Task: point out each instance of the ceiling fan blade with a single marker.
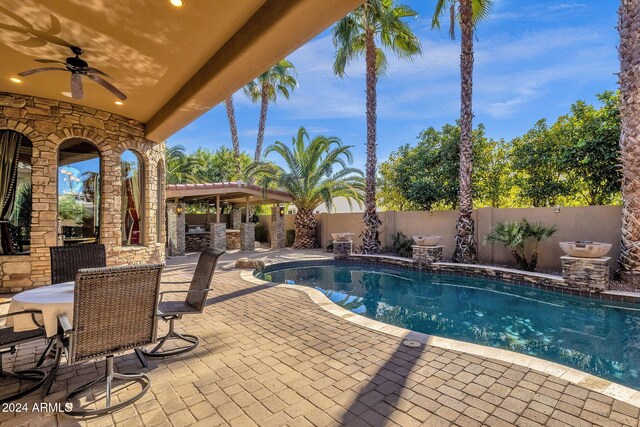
(40, 70)
(96, 71)
(49, 61)
(76, 86)
(111, 88)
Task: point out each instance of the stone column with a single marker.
(277, 229)
(590, 274)
(342, 250)
(247, 236)
(175, 231)
(236, 218)
(424, 256)
(218, 235)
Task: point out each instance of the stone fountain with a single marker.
(427, 249)
(585, 265)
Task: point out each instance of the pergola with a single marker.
(236, 194)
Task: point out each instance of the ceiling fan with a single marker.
(78, 68)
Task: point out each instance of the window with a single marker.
(78, 192)
(15, 193)
(132, 198)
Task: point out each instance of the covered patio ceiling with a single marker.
(239, 193)
(174, 64)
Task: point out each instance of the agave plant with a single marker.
(521, 237)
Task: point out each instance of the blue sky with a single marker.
(533, 60)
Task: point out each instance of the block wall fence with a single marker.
(596, 223)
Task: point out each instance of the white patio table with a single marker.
(51, 300)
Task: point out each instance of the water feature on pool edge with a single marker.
(594, 336)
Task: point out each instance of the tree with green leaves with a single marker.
(426, 175)
(315, 172)
(179, 165)
(589, 138)
(468, 14)
(277, 80)
(375, 23)
(536, 159)
(219, 165)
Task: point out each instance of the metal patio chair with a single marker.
(9, 340)
(114, 311)
(194, 303)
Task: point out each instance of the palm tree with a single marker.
(469, 13)
(279, 79)
(233, 127)
(316, 171)
(376, 22)
(180, 166)
(521, 237)
(629, 51)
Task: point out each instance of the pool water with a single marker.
(598, 337)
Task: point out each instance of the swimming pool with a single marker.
(595, 336)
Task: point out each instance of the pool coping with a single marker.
(572, 375)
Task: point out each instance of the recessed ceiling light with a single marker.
(67, 94)
(15, 80)
(119, 102)
(177, 3)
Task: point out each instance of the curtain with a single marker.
(131, 203)
(9, 145)
(135, 197)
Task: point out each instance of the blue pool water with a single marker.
(598, 337)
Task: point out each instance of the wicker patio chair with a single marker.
(9, 340)
(194, 303)
(114, 311)
(65, 263)
(67, 260)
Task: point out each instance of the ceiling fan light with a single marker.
(177, 3)
(119, 103)
(15, 79)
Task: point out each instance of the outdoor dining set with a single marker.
(91, 311)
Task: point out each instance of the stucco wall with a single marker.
(48, 123)
(597, 223)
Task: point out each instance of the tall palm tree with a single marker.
(233, 127)
(468, 14)
(316, 171)
(279, 79)
(375, 23)
(629, 52)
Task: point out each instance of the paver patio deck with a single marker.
(270, 356)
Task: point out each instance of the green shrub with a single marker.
(402, 245)
(289, 237)
(521, 238)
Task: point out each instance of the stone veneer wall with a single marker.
(47, 123)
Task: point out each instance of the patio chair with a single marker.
(9, 340)
(67, 260)
(194, 303)
(114, 311)
(65, 263)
